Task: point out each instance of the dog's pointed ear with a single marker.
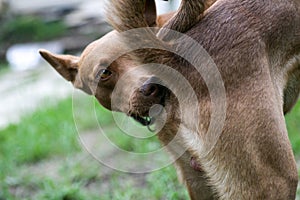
(150, 12)
(65, 65)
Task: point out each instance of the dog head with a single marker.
(100, 67)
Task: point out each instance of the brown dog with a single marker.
(256, 48)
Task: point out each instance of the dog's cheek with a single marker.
(79, 84)
(103, 97)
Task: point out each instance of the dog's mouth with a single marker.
(145, 121)
(151, 114)
(148, 102)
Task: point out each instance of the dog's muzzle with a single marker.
(154, 92)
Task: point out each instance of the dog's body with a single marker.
(256, 48)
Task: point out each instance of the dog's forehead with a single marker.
(109, 48)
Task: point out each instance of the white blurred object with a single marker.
(25, 56)
(166, 6)
(22, 93)
(86, 11)
(26, 7)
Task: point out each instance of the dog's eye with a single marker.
(104, 74)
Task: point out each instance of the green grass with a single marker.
(3, 68)
(29, 28)
(48, 137)
(293, 127)
(35, 137)
(50, 134)
(162, 184)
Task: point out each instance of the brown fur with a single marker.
(162, 19)
(256, 47)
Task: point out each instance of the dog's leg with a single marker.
(194, 178)
(253, 158)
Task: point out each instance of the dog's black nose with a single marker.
(152, 87)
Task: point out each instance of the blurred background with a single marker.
(41, 156)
